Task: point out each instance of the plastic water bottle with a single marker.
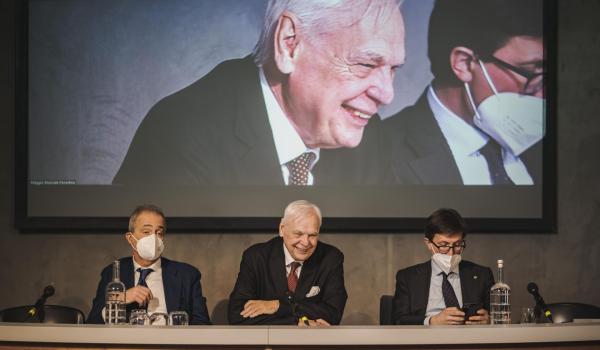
(115, 298)
(500, 299)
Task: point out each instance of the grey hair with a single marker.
(145, 208)
(316, 17)
(300, 207)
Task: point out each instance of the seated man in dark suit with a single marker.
(432, 293)
(293, 278)
(481, 120)
(153, 282)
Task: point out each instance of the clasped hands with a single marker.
(453, 315)
(254, 308)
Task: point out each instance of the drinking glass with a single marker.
(139, 317)
(178, 318)
(159, 319)
(528, 315)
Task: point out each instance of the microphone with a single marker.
(533, 289)
(39, 304)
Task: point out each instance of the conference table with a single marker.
(585, 335)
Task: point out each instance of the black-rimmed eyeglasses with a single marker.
(534, 80)
(456, 247)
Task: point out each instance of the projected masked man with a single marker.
(153, 282)
(481, 119)
(434, 292)
(291, 279)
(314, 81)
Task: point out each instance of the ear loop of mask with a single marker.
(490, 83)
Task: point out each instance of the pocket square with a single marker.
(314, 290)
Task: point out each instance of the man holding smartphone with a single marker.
(445, 290)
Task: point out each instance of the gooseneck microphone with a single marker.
(38, 307)
(533, 289)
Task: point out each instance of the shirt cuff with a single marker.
(426, 321)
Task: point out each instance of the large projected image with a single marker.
(373, 109)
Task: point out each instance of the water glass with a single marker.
(159, 319)
(178, 318)
(139, 317)
(528, 315)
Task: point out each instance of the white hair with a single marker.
(298, 208)
(316, 17)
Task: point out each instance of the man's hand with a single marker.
(138, 294)
(313, 323)
(254, 308)
(482, 317)
(450, 315)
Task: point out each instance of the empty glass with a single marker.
(527, 315)
(159, 319)
(139, 317)
(178, 318)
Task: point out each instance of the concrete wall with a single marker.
(566, 265)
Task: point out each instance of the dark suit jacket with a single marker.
(412, 290)
(262, 276)
(213, 132)
(181, 282)
(420, 153)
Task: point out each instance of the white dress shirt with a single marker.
(465, 141)
(155, 284)
(288, 263)
(288, 143)
(435, 303)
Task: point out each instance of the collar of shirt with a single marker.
(436, 270)
(156, 266)
(288, 143)
(463, 139)
(289, 260)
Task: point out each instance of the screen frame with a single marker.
(26, 223)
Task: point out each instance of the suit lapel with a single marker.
(171, 285)
(433, 163)
(127, 274)
(277, 267)
(468, 284)
(307, 274)
(423, 280)
(256, 149)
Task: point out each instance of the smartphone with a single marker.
(470, 309)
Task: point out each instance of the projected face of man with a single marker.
(335, 82)
(300, 233)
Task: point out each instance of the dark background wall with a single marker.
(566, 264)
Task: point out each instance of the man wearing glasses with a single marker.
(445, 290)
(482, 117)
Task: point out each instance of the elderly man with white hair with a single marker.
(318, 74)
(292, 278)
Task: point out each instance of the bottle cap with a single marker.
(500, 263)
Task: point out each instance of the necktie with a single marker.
(143, 274)
(493, 155)
(448, 292)
(299, 168)
(292, 278)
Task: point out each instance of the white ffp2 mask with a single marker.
(446, 262)
(149, 247)
(515, 121)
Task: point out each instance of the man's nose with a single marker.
(450, 252)
(382, 86)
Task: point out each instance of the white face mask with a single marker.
(446, 262)
(149, 247)
(515, 121)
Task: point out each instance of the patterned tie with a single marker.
(448, 292)
(493, 155)
(143, 274)
(292, 278)
(299, 168)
